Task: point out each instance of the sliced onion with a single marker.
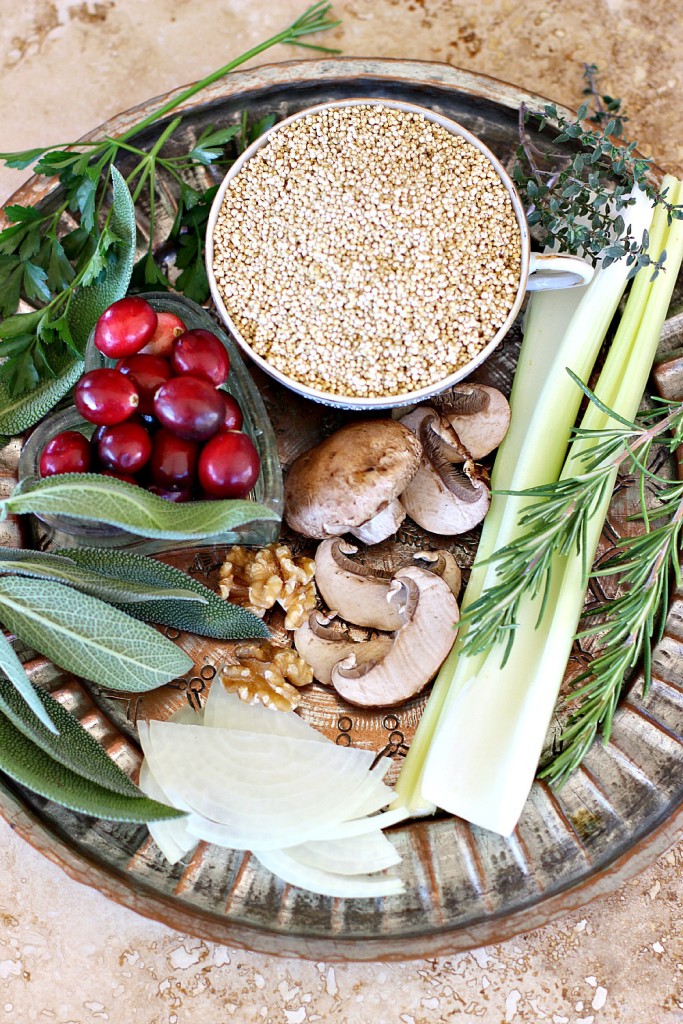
(225, 710)
(356, 855)
(172, 837)
(278, 792)
(324, 882)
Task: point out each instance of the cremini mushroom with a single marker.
(443, 497)
(350, 483)
(417, 650)
(360, 594)
(354, 592)
(322, 642)
(480, 416)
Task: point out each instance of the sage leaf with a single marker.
(25, 762)
(47, 566)
(215, 617)
(15, 672)
(103, 499)
(73, 746)
(88, 637)
(90, 302)
(19, 412)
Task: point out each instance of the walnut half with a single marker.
(259, 579)
(266, 674)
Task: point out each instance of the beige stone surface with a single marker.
(69, 956)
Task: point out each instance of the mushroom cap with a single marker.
(349, 477)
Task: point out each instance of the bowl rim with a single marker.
(408, 397)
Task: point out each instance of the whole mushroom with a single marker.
(351, 481)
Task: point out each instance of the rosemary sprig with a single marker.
(580, 202)
(556, 519)
(45, 263)
(629, 627)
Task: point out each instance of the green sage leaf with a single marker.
(89, 303)
(103, 499)
(215, 617)
(25, 762)
(16, 674)
(19, 412)
(48, 566)
(88, 637)
(73, 746)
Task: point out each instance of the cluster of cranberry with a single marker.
(161, 421)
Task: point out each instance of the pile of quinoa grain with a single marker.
(367, 252)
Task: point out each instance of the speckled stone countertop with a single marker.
(69, 956)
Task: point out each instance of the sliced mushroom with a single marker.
(352, 590)
(350, 482)
(479, 414)
(416, 653)
(323, 643)
(442, 563)
(441, 497)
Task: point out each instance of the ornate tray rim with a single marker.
(130, 892)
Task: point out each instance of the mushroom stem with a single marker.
(382, 525)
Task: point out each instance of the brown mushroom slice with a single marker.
(441, 497)
(416, 653)
(352, 590)
(350, 482)
(479, 414)
(442, 563)
(322, 644)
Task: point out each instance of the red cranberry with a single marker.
(189, 407)
(232, 416)
(176, 496)
(169, 327)
(229, 466)
(125, 448)
(173, 463)
(148, 373)
(201, 354)
(125, 327)
(105, 397)
(68, 452)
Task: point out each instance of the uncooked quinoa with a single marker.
(367, 251)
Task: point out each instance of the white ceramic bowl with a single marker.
(405, 398)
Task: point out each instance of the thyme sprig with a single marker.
(48, 252)
(579, 202)
(555, 521)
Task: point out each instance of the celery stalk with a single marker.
(490, 732)
(563, 329)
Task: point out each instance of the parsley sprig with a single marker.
(49, 252)
(579, 201)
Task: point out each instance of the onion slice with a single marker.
(324, 882)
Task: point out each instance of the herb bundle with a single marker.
(582, 202)
(81, 610)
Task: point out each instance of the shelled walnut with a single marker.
(265, 674)
(260, 579)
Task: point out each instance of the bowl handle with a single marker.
(548, 271)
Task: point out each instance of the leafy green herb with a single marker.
(36, 769)
(47, 566)
(14, 670)
(214, 617)
(72, 745)
(69, 276)
(88, 637)
(102, 499)
(580, 202)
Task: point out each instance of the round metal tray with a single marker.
(464, 887)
